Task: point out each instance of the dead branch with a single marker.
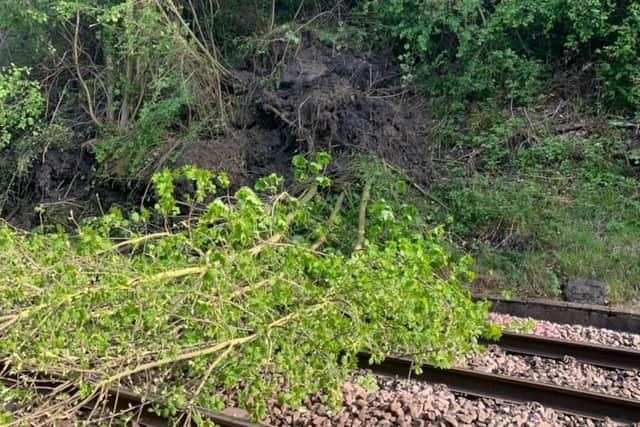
(76, 60)
(330, 222)
(280, 114)
(570, 127)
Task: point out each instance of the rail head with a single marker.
(501, 387)
(555, 348)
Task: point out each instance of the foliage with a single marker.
(129, 153)
(520, 326)
(119, 53)
(369, 382)
(21, 104)
(539, 210)
(234, 23)
(233, 292)
(474, 49)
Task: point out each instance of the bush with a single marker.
(21, 104)
(236, 291)
(476, 49)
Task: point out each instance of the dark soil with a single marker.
(63, 181)
(337, 101)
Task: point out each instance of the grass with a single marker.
(539, 211)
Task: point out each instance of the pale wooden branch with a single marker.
(330, 222)
(134, 241)
(76, 60)
(362, 219)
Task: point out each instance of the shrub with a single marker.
(21, 104)
(475, 49)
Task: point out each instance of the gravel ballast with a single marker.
(567, 372)
(578, 333)
(371, 400)
(408, 403)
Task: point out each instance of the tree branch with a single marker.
(76, 60)
(362, 220)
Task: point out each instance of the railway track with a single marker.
(119, 400)
(570, 401)
(554, 348)
(479, 384)
(567, 312)
(471, 382)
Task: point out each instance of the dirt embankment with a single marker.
(342, 102)
(318, 98)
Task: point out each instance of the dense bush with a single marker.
(491, 48)
(116, 54)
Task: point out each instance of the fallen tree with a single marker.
(235, 300)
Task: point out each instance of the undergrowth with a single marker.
(251, 291)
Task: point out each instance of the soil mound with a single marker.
(342, 102)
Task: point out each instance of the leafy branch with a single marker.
(247, 296)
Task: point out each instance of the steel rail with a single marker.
(567, 312)
(554, 348)
(121, 399)
(480, 384)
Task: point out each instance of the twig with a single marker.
(174, 274)
(184, 356)
(207, 350)
(246, 289)
(429, 195)
(532, 128)
(569, 127)
(76, 60)
(278, 113)
(306, 197)
(624, 124)
(209, 371)
(255, 250)
(273, 15)
(132, 242)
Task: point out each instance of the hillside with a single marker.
(314, 164)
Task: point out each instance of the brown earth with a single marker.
(337, 101)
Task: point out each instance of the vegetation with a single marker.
(533, 165)
(478, 49)
(21, 104)
(536, 204)
(236, 290)
(543, 211)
